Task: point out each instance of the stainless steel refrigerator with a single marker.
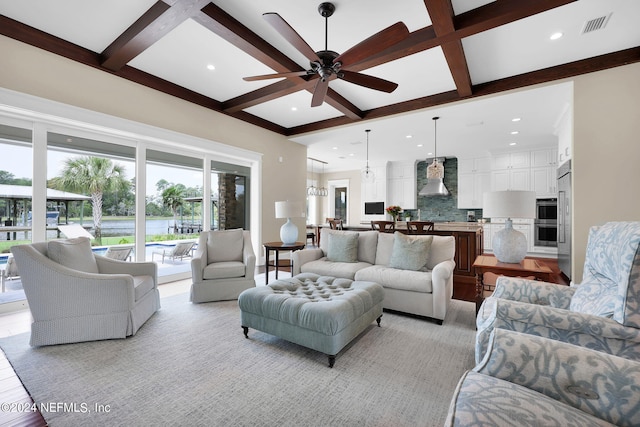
(564, 218)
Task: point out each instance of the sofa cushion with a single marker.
(367, 242)
(384, 249)
(410, 252)
(325, 267)
(393, 278)
(594, 298)
(443, 248)
(73, 253)
(224, 270)
(343, 247)
(225, 245)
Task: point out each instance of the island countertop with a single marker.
(447, 226)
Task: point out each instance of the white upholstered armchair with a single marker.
(77, 296)
(602, 313)
(223, 265)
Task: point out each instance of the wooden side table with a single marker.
(490, 264)
(277, 247)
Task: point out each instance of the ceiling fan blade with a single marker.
(286, 31)
(374, 44)
(320, 92)
(368, 81)
(275, 76)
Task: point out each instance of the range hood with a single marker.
(435, 180)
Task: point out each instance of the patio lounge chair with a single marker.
(180, 250)
(121, 253)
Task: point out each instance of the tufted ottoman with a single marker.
(319, 312)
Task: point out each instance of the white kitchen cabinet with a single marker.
(471, 188)
(486, 230)
(515, 160)
(510, 179)
(476, 164)
(544, 181)
(401, 185)
(546, 157)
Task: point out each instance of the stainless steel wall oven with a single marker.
(546, 223)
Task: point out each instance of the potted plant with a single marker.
(394, 211)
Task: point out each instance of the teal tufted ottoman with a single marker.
(319, 312)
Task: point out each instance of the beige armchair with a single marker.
(223, 265)
(77, 296)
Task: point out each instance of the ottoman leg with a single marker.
(332, 360)
(378, 320)
(246, 331)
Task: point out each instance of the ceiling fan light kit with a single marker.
(326, 65)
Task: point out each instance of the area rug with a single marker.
(191, 365)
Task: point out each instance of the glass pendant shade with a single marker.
(368, 176)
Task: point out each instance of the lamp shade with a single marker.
(509, 204)
(289, 209)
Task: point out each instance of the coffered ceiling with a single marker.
(456, 50)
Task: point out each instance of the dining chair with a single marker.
(383, 226)
(335, 224)
(420, 227)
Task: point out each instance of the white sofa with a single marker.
(424, 291)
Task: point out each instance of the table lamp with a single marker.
(288, 231)
(509, 245)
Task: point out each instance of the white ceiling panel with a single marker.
(182, 57)
(90, 24)
(352, 21)
(422, 74)
(280, 110)
(524, 45)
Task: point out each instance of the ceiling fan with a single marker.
(327, 65)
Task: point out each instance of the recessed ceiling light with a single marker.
(429, 154)
(555, 36)
(419, 145)
(516, 119)
(409, 136)
(515, 132)
(513, 143)
(351, 154)
(294, 108)
(211, 67)
(335, 148)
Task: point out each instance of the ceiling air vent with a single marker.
(595, 24)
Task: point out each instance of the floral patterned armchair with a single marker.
(602, 313)
(529, 380)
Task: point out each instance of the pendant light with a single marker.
(435, 171)
(322, 191)
(312, 190)
(368, 175)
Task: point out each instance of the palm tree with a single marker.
(93, 175)
(173, 198)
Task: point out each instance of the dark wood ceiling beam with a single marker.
(501, 12)
(559, 72)
(343, 105)
(442, 15)
(483, 18)
(231, 30)
(155, 23)
(264, 94)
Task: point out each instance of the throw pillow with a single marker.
(598, 299)
(73, 253)
(410, 252)
(225, 245)
(343, 247)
